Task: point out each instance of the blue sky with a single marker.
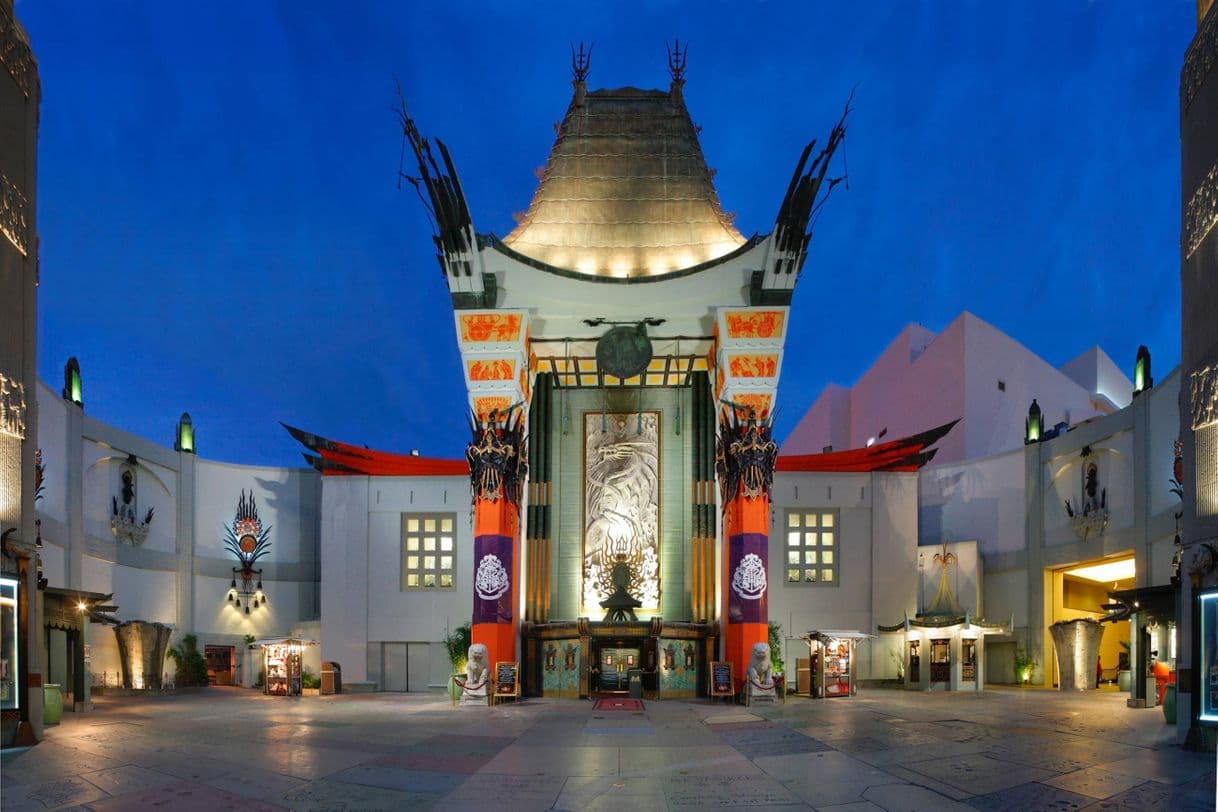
(222, 232)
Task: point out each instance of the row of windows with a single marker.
(429, 552)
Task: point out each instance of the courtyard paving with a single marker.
(883, 750)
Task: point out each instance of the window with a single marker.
(811, 550)
(429, 550)
(1002, 386)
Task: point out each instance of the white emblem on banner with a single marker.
(748, 581)
(491, 580)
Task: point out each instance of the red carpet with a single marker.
(618, 704)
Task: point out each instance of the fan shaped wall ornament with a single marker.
(248, 540)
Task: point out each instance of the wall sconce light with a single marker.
(248, 540)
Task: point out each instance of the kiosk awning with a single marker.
(836, 634)
(284, 641)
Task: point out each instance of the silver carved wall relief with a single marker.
(12, 406)
(621, 506)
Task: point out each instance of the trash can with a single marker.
(635, 680)
(52, 704)
(331, 678)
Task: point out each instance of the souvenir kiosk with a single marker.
(281, 664)
(831, 665)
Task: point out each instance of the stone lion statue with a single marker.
(477, 673)
(760, 672)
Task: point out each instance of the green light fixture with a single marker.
(1034, 426)
(185, 441)
(1141, 371)
(73, 391)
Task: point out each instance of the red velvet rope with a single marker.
(462, 685)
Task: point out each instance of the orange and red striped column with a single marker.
(746, 529)
(496, 576)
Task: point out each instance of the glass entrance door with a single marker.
(615, 665)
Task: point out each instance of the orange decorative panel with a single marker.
(495, 327)
(719, 382)
(756, 402)
(754, 323)
(484, 406)
(492, 369)
(763, 365)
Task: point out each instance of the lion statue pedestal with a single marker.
(477, 676)
(759, 677)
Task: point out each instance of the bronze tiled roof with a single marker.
(626, 190)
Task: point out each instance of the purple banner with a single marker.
(492, 579)
(748, 579)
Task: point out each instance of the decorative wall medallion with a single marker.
(249, 541)
(492, 579)
(621, 506)
(624, 351)
(124, 521)
(12, 406)
(749, 581)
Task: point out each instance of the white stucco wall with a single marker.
(877, 543)
(982, 499)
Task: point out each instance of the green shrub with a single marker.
(308, 679)
(457, 642)
(1025, 664)
(192, 668)
(776, 647)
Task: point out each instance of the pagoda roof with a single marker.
(626, 191)
(333, 458)
(906, 454)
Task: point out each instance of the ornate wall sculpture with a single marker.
(746, 456)
(248, 540)
(1090, 517)
(12, 406)
(621, 506)
(125, 523)
(498, 457)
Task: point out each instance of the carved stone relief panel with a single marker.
(621, 506)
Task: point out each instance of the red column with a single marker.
(746, 527)
(496, 526)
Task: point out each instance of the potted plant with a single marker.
(457, 643)
(310, 683)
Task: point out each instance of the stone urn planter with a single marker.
(1169, 704)
(52, 704)
(1124, 680)
(1077, 643)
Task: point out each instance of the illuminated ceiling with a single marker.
(1105, 572)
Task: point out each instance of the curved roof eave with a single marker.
(492, 241)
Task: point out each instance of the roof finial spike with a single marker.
(581, 63)
(676, 60)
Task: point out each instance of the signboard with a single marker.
(721, 683)
(506, 679)
(1208, 669)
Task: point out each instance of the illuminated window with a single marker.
(429, 550)
(810, 549)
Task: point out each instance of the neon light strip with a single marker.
(1209, 657)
